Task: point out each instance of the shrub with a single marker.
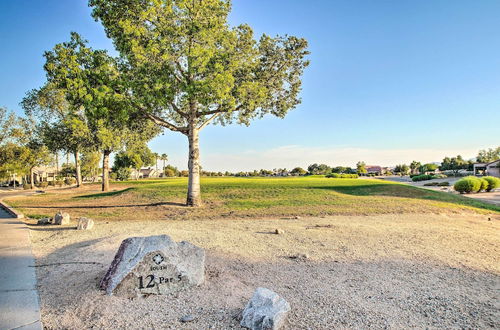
(51, 183)
(26, 186)
(422, 177)
(113, 176)
(69, 181)
(169, 172)
(43, 184)
(493, 182)
(484, 184)
(443, 184)
(468, 184)
(342, 176)
(123, 173)
(59, 183)
(431, 184)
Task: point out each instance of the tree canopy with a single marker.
(488, 155)
(187, 68)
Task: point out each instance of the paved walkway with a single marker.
(19, 307)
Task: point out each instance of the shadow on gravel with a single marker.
(48, 227)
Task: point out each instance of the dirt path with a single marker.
(394, 271)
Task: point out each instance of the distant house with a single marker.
(44, 173)
(491, 168)
(150, 173)
(374, 169)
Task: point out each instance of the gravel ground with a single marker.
(390, 271)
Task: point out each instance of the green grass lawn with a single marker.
(252, 197)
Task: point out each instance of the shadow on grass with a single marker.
(98, 206)
(406, 191)
(105, 194)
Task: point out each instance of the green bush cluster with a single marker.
(342, 176)
(26, 186)
(468, 185)
(422, 177)
(437, 184)
(123, 174)
(59, 183)
(425, 177)
(493, 182)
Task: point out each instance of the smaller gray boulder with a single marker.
(85, 224)
(266, 310)
(61, 218)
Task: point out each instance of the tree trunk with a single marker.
(78, 170)
(57, 163)
(32, 178)
(105, 170)
(194, 193)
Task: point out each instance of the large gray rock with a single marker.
(85, 224)
(266, 310)
(154, 265)
(61, 218)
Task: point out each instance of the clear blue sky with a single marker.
(389, 81)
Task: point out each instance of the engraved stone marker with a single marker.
(154, 265)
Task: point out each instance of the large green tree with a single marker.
(415, 167)
(135, 156)
(188, 68)
(488, 155)
(7, 120)
(93, 85)
(24, 150)
(361, 167)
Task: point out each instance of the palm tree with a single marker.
(157, 156)
(164, 157)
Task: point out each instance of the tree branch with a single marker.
(176, 109)
(209, 120)
(218, 110)
(179, 67)
(164, 123)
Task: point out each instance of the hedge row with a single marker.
(437, 184)
(342, 176)
(471, 184)
(424, 177)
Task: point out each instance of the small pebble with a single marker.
(187, 318)
(279, 231)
